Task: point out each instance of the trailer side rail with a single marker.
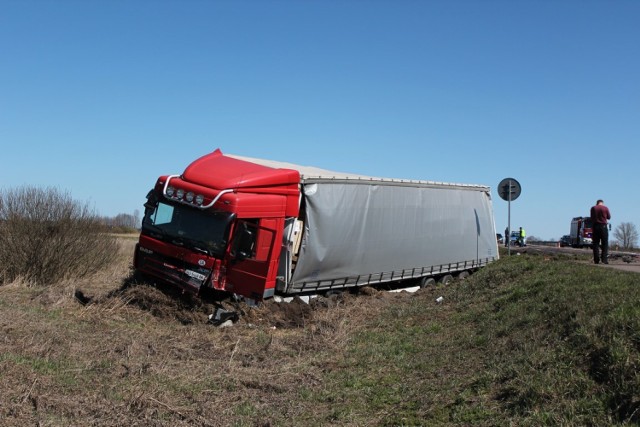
(388, 276)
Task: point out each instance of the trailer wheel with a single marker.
(444, 280)
(463, 275)
(427, 282)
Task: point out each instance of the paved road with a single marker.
(635, 267)
(625, 261)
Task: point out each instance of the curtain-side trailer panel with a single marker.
(358, 232)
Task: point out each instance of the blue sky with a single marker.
(99, 98)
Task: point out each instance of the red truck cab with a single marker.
(218, 225)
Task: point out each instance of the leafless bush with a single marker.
(46, 237)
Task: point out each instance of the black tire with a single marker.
(427, 282)
(463, 275)
(446, 279)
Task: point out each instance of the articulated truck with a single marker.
(257, 228)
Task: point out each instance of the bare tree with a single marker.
(124, 220)
(136, 217)
(627, 234)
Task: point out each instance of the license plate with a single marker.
(195, 275)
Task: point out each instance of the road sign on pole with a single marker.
(509, 189)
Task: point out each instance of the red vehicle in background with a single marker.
(581, 232)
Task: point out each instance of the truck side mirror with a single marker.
(152, 200)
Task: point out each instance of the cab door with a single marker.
(251, 258)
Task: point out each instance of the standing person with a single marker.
(506, 237)
(599, 216)
(522, 237)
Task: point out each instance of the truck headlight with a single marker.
(180, 193)
(189, 197)
(170, 191)
(199, 199)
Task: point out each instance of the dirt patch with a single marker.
(159, 304)
(188, 309)
(164, 304)
(295, 314)
(167, 304)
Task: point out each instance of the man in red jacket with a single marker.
(599, 217)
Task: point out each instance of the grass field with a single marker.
(529, 340)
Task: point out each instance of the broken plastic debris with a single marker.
(411, 289)
(439, 299)
(226, 324)
(221, 316)
(304, 298)
(249, 301)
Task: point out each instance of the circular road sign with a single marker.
(509, 186)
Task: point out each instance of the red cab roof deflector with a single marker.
(216, 170)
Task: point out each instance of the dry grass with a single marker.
(494, 353)
(133, 355)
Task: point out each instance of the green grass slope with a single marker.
(527, 341)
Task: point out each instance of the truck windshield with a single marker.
(203, 231)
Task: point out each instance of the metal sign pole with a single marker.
(509, 223)
(509, 189)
